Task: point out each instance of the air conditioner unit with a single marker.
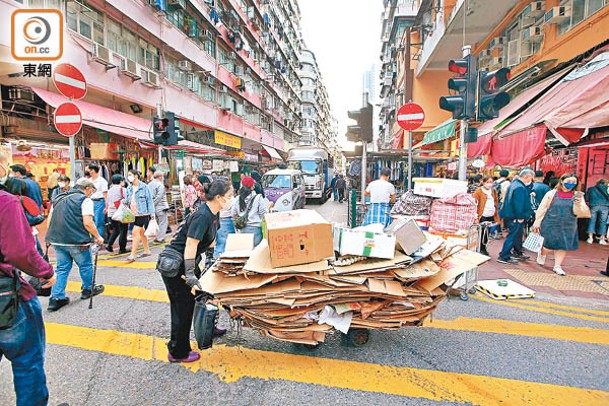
(207, 33)
(210, 3)
(496, 62)
(103, 56)
(233, 55)
(251, 13)
(497, 42)
(240, 84)
(557, 14)
(224, 89)
(535, 9)
(131, 68)
(532, 34)
(238, 70)
(179, 4)
(185, 66)
(526, 50)
(150, 78)
(209, 80)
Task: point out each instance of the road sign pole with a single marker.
(463, 131)
(409, 160)
(72, 159)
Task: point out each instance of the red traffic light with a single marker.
(458, 66)
(493, 81)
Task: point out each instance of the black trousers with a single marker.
(119, 230)
(485, 231)
(182, 304)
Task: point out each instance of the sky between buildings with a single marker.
(345, 37)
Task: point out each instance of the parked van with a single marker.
(285, 189)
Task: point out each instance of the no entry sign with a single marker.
(70, 81)
(411, 116)
(67, 119)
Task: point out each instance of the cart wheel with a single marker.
(472, 290)
(463, 296)
(357, 337)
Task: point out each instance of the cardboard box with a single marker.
(439, 187)
(459, 239)
(298, 237)
(408, 235)
(364, 243)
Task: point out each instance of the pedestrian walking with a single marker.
(557, 221)
(71, 232)
(139, 200)
(341, 188)
(150, 173)
(333, 186)
(598, 200)
(253, 205)
(33, 190)
(488, 206)
(116, 194)
(100, 197)
(501, 186)
(22, 332)
(515, 212)
(190, 195)
(52, 182)
(539, 188)
(381, 193)
(161, 206)
(63, 185)
(179, 267)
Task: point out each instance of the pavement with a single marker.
(551, 350)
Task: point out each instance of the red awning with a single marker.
(480, 147)
(398, 140)
(520, 148)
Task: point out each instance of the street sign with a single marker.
(411, 116)
(70, 81)
(67, 119)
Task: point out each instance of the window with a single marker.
(208, 93)
(580, 10)
(113, 35)
(85, 21)
(176, 17)
(277, 181)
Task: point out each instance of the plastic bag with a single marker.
(534, 242)
(124, 215)
(204, 322)
(152, 229)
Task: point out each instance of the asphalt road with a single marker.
(480, 351)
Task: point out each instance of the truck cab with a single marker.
(316, 169)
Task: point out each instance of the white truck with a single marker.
(317, 169)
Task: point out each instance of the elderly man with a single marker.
(161, 207)
(516, 211)
(71, 232)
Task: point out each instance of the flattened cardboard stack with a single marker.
(287, 303)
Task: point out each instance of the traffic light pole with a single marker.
(158, 114)
(364, 170)
(462, 133)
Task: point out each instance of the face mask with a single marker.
(130, 178)
(227, 204)
(569, 185)
(488, 186)
(61, 184)
(5, 177)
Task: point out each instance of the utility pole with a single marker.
(462, 133)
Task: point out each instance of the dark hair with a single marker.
(569, 175)
(16, 186)
(93, 167)
(19, 168)
(487, 178)
(63, 178)
(137, 173)
(539, 174)
(601, 182)
(504, 173)
(386, 172)
(152, 169)
(117, 179)
(553, 182)
(244, 192)
(218, 187)
(203, 179)
(187, 180)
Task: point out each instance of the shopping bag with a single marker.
(152, 229)
(123, 215)
(118, 215)
(534, 242)
(204, 322)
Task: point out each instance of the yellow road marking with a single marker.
(521, 305)
(556, 332)
(572, 308)
(116, 263)
(231, 364)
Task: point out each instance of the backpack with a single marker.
(31, 210)
(497, 187)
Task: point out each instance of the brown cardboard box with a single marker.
(298, 237)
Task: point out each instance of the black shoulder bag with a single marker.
(241, 221)
(9, 299)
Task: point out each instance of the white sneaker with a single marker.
(590, 240)
(541, 259)
(602, 241)
(559, 270)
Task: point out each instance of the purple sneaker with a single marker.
(192, 357)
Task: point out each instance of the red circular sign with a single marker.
(67, 119)
(70, 81)
(410, 116)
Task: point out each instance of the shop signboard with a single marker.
(234, 166)
(197, 164)
(228, 140)
(217, 165)
(207, 164)
(251, 157)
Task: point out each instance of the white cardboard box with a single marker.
(364, 243)
(438, 187)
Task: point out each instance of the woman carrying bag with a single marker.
(556, 221)
(139, 200)
(598, 199)
(249, 211)
(116, 194)
(179, 266)
(488, 203)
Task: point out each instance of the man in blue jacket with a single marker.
(516, 210)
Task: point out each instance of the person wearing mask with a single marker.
(226, 227)
(341, 188)
(198, 185)
(515, 212)
(190, 195)
(33, 190)
(23, 341)
(381, 193)
(161, 207)
(193, 238)
(100, 197)
(71, 232)
(150, 174)
(254, 205)
(139, 200)
(539, 188)
(488, 206)
(598, 200)
(116, 194)
(52, 182)
(557, 223)
(63, 185)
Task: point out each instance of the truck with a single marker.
(316, 166)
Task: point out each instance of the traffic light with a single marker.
(363, 130)
(160, 130)
(174, 129)
(462, 105)
(167, 130)
(490, 96)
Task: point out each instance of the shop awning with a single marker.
(440, 133)
(520, 148)
(573, 106)
(103, 118)
(398, 140)
(196, 148)
(272, 153)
